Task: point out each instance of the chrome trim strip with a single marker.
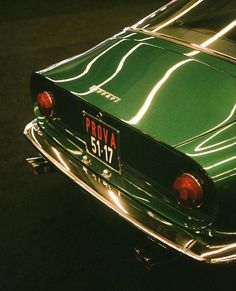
(190, 45)
(149, 222)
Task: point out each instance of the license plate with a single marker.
(102, 141)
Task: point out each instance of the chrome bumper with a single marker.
(153, 225)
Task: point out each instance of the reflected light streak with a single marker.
(121, 33)
(152, 94)
(217, 126)
(225, 120)
(153, 14)
(217, 180)
(70, 59)
(163, 221)
(200, 147)
(224, 259)
(221, 250)
(34, 137)
(226, 172)
(128, 35)
(75, 152)
(220, 163)
(140, 198)
(120, 66)
(163, 8)
(211, 151)
(214, 38)
(74, 136)
(177, 16)
(88, 67)
(60, 158)
(117, 201)
(41, 119)
(145, 26)
(144, 39)
(218, 143)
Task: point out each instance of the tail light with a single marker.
(188, 191)
(46, 103)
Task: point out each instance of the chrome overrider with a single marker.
(154, 226)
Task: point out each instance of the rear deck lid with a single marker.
(164, 93)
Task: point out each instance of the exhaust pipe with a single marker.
(40, 165)
(152, 254)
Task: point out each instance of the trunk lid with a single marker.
(152, 86)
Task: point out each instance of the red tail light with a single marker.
(46, 103)
(188, 191)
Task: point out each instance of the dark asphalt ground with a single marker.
(52, 235)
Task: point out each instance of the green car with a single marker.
(146, 122)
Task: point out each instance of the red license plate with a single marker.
(102, 141)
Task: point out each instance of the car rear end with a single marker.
(136, 166)
(143, 189)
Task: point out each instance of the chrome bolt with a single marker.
(106, 173)
(100, 115)
(86, 160)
